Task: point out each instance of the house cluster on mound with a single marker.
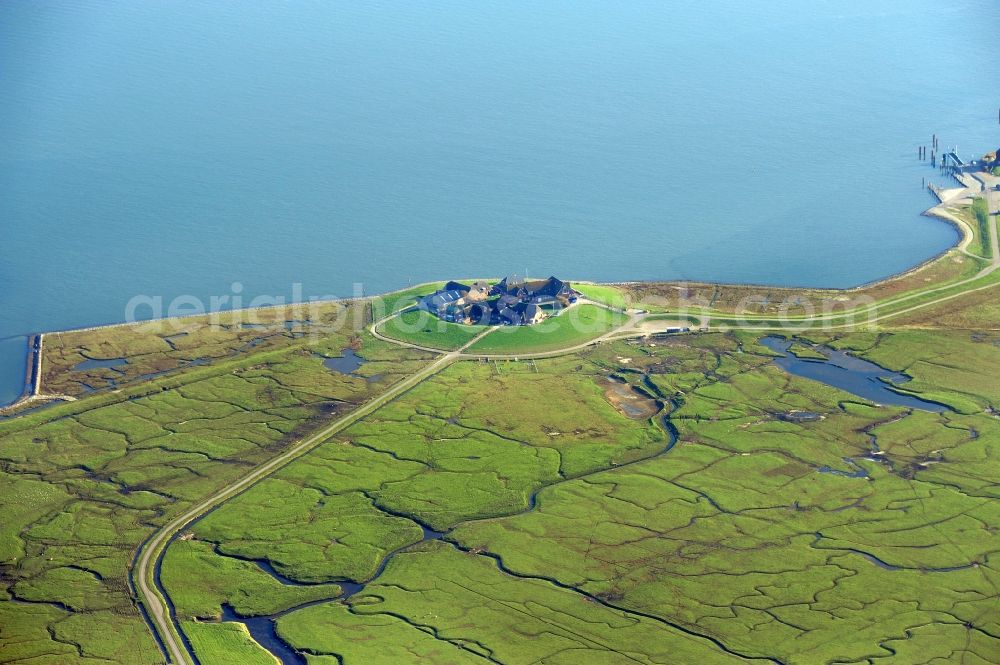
(510, 302)
(992, 159)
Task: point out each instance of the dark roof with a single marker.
(535, 284)
(510, 315)
(441, 299)
(552, 287)
(456, 286)
(509, 284)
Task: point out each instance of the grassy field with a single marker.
(754, 537)
(569, 533)
(889, 314)
(226, 643)
(603, 293)
(434, 456)
(384, 305)
(306, 535)
(82, 484)
(225, 580)
(740, 533)
(573, 326)
(368, 639)
(477, 611)
(953, 368)
(974, 311)
(161, 347)
(423, 329)
(981, 216)
(431, 456)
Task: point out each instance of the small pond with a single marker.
(348, 363)
(854, 375)
(93, 363)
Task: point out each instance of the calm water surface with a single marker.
(175, 147)
(854, 375)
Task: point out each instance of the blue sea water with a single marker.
(171, 147)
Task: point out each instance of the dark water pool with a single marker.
(348, 363)
(93, 363)
(854, 375)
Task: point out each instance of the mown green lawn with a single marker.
(603, 293)
(980, 215)
(421, 328)
(384, 305)
(575, 325)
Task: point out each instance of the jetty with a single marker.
(35, 365)
(32, 375)
(33, 380)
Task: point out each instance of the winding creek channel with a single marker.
(263, 628)
(854, 375)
